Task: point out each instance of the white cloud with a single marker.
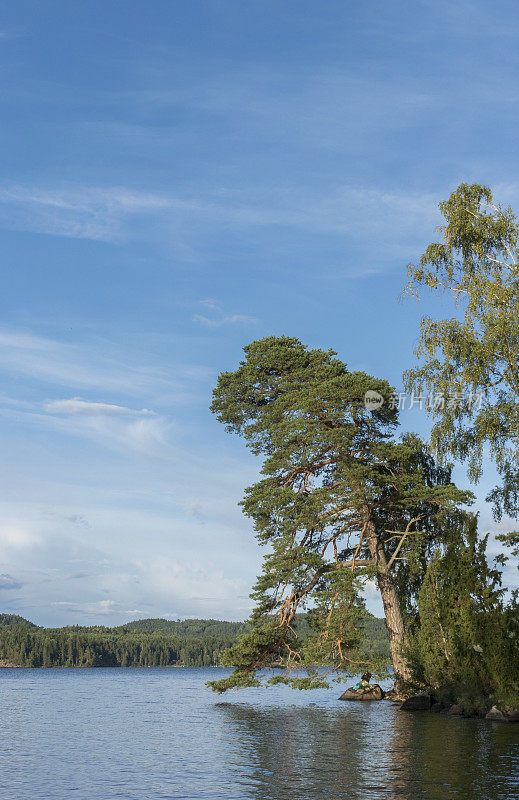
(16, 536)
(220, 317)
(209, 302)
(84, 407)
(96, 365)
(79, 212)
(84, 365)
(110, 425)
(142, 547)
(207, 587)
(226, 319)
(117, 427)
(109, 214)
(103, 607)
(8, 582)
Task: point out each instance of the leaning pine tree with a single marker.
(340, 503)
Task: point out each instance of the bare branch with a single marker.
(405, 534)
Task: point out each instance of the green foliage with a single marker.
(510, 540)
(375, 645)
(466, 638)
(15, 621)
(152, 643)
(203, 628)
(477, 264)
(330, 469)
(372, 648)
(311, 681)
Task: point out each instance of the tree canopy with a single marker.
(464, 638)
(340, 502)
(470, 365)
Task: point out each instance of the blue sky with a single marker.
(177, 179)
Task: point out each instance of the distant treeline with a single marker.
(142, 643)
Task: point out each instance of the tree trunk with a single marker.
(392, 611)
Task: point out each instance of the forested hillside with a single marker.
(142, 643)
(15, 621)
(186, 627)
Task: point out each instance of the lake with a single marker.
(145, 734)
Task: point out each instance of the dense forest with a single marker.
(142, 643)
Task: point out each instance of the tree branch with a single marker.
(405, 534)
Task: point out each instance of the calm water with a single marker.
(144, 734)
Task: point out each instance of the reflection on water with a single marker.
(368, 751)
(159, 734)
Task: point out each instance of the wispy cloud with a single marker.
(84, 407)
(47, 364)
(8, 582)
(109, 214)
(16, 536)
(112, 425)
(103, 607)
(80, 212)
(143, 544)
(173, 580)
(99, 366)
(79, 520)
(219, 317)
(12, 33)
(80, 365)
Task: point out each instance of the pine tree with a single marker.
(339, 497)
(46, 656)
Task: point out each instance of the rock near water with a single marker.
(417, 702)
(395, 695)
(455, 710)
(364, 693)
(495, 714)
(508, 715)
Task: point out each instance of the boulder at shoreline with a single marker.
(417, 702)
(373, 692)
(507, 715)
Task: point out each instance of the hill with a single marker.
(14, 621)
(186, 627)
(145, 643)
(374, 629)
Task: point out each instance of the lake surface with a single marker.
(145, 734)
